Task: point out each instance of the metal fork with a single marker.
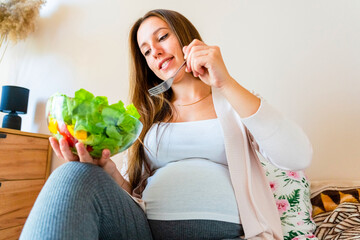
(164, 86)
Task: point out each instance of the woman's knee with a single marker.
(76, 175)
(75, 171)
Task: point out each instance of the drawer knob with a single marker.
(2, 135)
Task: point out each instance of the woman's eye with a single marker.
(163, 37)
(147, 53)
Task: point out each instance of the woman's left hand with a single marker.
(63, 151)
(206, 63)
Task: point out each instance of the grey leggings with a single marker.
(81, 201)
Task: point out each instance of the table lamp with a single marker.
(14, 100)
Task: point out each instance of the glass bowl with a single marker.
(95, 123)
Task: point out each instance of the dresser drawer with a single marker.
(23, 157)
(11, 233)
(17, 199)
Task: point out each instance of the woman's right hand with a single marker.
(62, 150)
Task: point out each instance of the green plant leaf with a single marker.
(294, 198)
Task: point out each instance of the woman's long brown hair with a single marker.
(158, 108)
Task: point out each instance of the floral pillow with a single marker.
(291, 191)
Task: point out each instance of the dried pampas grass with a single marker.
(17, 19)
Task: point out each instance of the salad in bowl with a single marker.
(92, 121)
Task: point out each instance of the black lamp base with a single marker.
(12, 120)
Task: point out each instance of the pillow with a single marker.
(327, 196)
(329, 199)
(291, 190)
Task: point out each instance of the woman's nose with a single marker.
(157, 51)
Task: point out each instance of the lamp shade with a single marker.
(14, 99)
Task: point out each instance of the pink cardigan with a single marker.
(273, 133)
(279, 140)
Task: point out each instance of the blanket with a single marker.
(341, 223)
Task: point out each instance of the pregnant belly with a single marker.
(186, 189)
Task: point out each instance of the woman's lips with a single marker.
(165, 64)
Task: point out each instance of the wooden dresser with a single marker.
(25, 160)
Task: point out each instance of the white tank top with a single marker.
(191, 179)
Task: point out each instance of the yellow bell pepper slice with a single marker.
(53, 126)
(81, 135)
(70, 129)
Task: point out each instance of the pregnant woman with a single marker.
(194, 173)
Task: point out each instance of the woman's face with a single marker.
(160, 47)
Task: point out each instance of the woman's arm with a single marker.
(244, 102)
(121, 181)
(280, 140)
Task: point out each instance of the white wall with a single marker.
(302, 56)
